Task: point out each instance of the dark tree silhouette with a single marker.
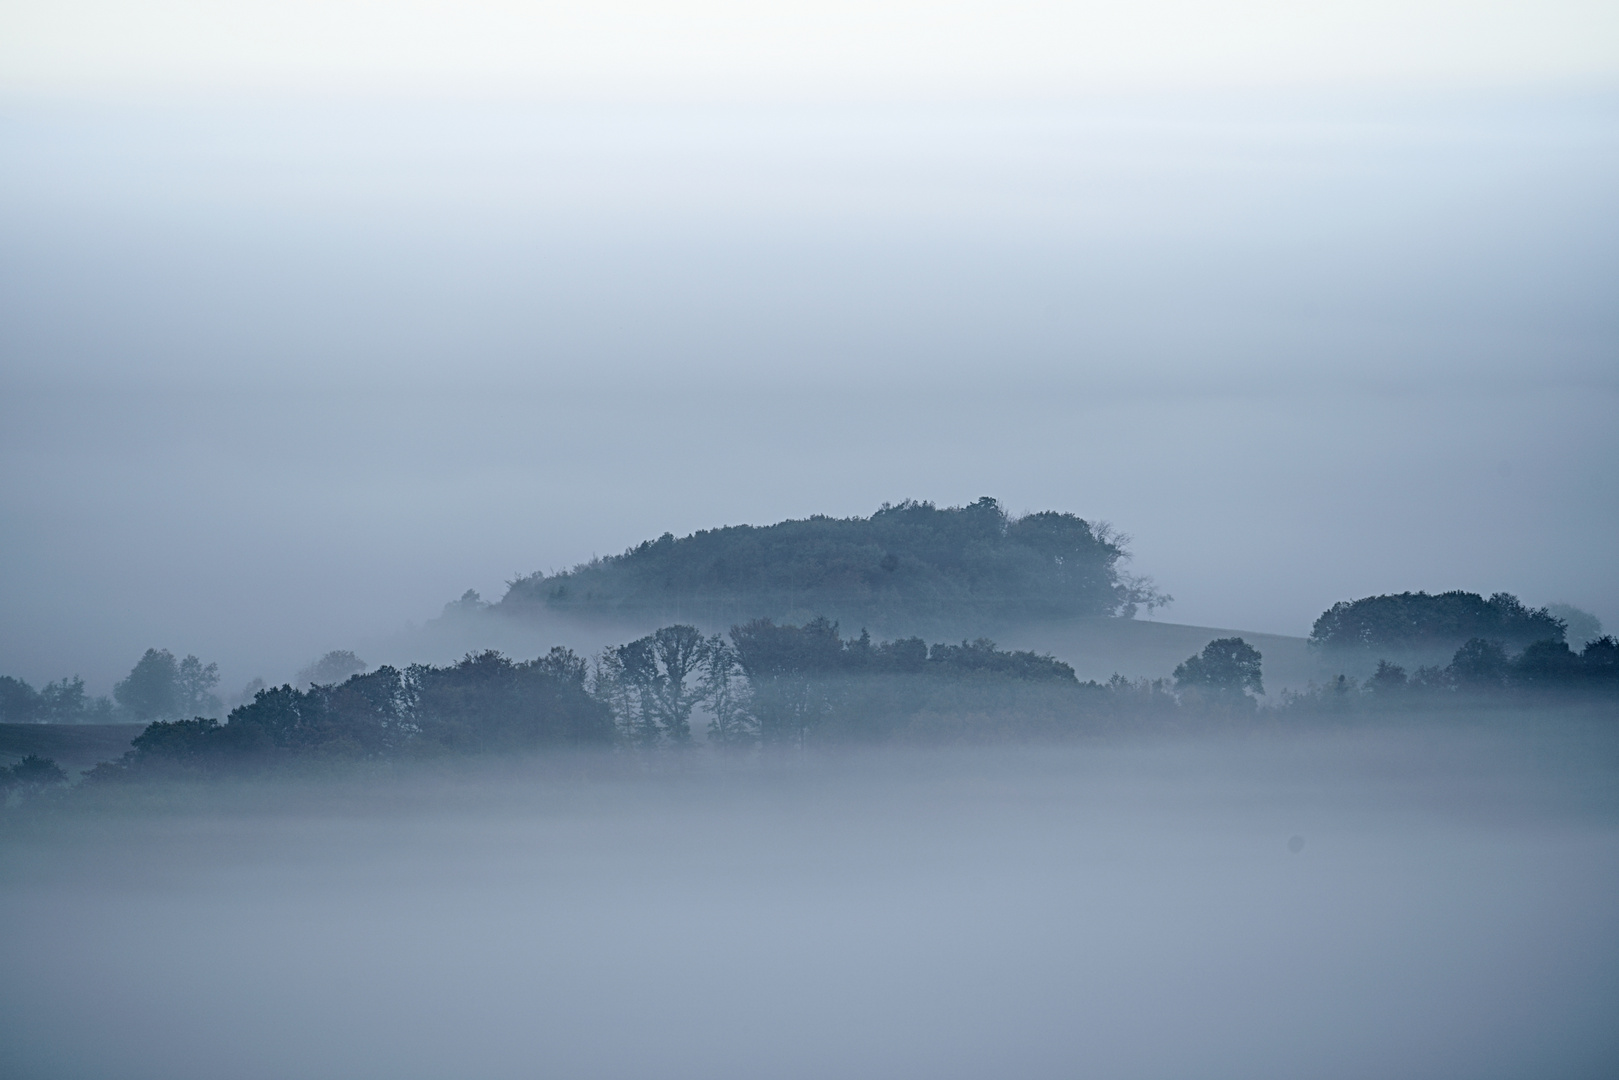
(1227, 667)
(34, 773)
(1389, 679)
(19, 702)
(1480, 664)
(159, 687)
(1418, 620)
(914, 562)
(151, 690)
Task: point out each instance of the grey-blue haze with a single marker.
(280, 378)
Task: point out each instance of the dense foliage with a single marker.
(30, 776)
(909, 565)
(1480, 673)
(1226, 672)
(767, 684)
(486, 703)
(1414, 621)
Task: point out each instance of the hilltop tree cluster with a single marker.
(1417, 621)
(913, 564)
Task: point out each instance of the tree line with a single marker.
(158, 686)
(763, 685)
(1480, 672)
(768, 686)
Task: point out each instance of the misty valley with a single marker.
(752, 837)
(769, 686)
(819, 540)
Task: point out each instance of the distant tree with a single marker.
(64, 701)
(766, 650)
(615, 690)
(1479, 664)
(195, 686)
(1582, 625)
(1388, 680)
(332, 668)
(470, 604)
(1227, 668)
(1600, 661)
(563, 665)
(151, 691)
(658, 680)
(99, 710)
(785, 666)
(250, 691)
(678, 654)
(724, 691)
(19, 702)
(1548, 665)
(1432, 678)
(160, 687)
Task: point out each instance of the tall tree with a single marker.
(64, 701)
(724, 690)
(195, 688)
(151, 689)
(159, 687)
(1228, 669)
(19, 702)
(659, 675)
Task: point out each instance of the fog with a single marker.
(315, 316)
(285, 375)
(1417, 903)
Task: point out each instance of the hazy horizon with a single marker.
(283, 377)
(316, 314)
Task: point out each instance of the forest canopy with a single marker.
(908, 565)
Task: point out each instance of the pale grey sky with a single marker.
(281, 377)
(801, 49)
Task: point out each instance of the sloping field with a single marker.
(72, 746)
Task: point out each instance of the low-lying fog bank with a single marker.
(1433, 901)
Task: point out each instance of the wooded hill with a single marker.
(1415, 621)
(905, 567)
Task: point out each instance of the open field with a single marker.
(72, 746)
